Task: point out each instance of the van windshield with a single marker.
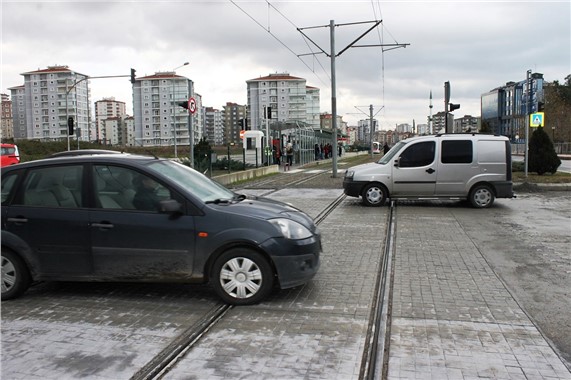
(392, 152)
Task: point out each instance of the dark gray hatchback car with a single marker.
(137, 218)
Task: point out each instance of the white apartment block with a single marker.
(364, 130)
(41, 107)
(467, 124)
(7, 120)
(213, 126)
(158, 117)
(108, 108)
(289, 97)
(130, 131)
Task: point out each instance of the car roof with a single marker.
(85, 152)
(473, 136)
(111, 158)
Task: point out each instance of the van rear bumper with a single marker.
(504, 189)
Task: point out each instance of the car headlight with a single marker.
(349, 173)
(291, 229)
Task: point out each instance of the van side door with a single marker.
(456, 167)
(414, 171)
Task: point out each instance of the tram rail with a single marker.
(165, 360)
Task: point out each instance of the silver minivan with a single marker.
(476, 167)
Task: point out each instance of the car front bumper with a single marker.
(295, 261)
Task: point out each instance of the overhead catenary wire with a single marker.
(275, 36)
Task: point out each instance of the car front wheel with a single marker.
(15, 275)
(482, 196)
(374, 195)
(242, 276)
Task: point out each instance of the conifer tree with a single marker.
(542, 156)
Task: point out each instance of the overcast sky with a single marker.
(474, 45)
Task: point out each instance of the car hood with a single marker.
(266, 208)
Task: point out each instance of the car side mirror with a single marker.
(170, 206)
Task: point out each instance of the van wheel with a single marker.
(374, 195)
(482, 196)
(15, 276)
(242, 276)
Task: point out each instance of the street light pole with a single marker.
(174, 106)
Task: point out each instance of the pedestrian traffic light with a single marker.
(454, 107)
(70, 124)
(133, 71)
(182, 104)
(268, 114)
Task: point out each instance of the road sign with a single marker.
(191, 105)
(537, 119)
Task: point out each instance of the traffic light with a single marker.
(182, 104)
(454, 106)
(268, 114)
(540, 106)
(133, 71)
(70, 124)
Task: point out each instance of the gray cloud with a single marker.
(477, 46)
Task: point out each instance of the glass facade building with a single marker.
(505, 110)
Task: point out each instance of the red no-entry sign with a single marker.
(192, 105)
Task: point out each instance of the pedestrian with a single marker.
(317, 152)
(340, 149)
(289, 154)
(276, 155)
(385, 148)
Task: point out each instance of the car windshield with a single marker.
(201, 186)
(391, 153)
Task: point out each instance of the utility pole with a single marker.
(371, 129)
(529, 98)
(333, 55)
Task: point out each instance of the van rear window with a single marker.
(457, 152)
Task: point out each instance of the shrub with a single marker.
(542, 156)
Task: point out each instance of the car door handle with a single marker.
(105, 225)
(18, 220)
(430, 170)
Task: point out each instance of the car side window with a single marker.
(457, 152)
(123, 188)
(54, 186)
(8, 182)
(420, 154)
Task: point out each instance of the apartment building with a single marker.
(289, 98)
(42, 106)
(466, 124)
(232, 116)
(105, 109)
(159, 120)
(213, 126)
(7, 121)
